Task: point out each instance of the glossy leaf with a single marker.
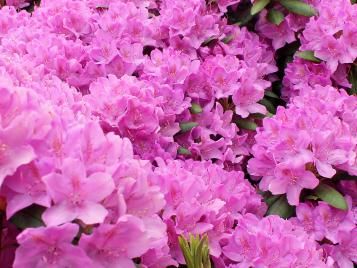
(271, 94)
(183, 151)
(195, 251)
(308, 55)
(298, 7)
(270, 107)
(331, 196)
(227, 39)
(246, 124)
(275, 16)
(258, 6)
(281, 208)
(352, 77)
(187, 126)
(28, 217)
(196, 108)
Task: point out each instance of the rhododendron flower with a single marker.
(75, 195)
(25, 188)
(115, 245)
(17, 3)
(129, 123)
(329, 33)
(345, 252)
(324, 221)
(289, 162)
(14, 135)
(291, 180)
(202, 198)
(50, 247)
(13, 153)
(271, 241)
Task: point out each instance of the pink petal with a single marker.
(337, 157)
(122, 263)
(59, 214)
(58, 186)
(91, 213)
(325, 170)
(308, 180)
(278, 186)
(293, 194)
(17, 203)
(98, 186)
(73, 168)
(17, 156)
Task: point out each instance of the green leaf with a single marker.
(257, 116)
(198, 254)
(311, 197)
(298, 7)
(308, 55)
(269, 200)
(271, 94)
(208, 40)
(227, 39)
(195, 251)
(186, 251)
(243, 17)
(246, 124)
(281, 208)
(183, 151)
(352, 77)
(28, 217)
(196, 108)
(331, 196)
(258, 6)
(270, 107)
(275, 16)
(187, 126)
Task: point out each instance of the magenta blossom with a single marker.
(50, 247)
(115, 245)
(75, 195)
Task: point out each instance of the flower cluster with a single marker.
(334, 227)
(270, 242)
(128, 124)
(332, 35)
(203, 198)
(308, 141)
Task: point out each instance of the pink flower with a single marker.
(271, 241)
(279, 34)
(291, 178)
(300, 73)
(329, 34)
(17, 3)
(326, 154)
(13, 152)
(306, 217)
(223, 4)
(75, 195)
(324, 221)
(116, 245)
(50, 247)
(15, 149)
(345, 253)
(331, 222)
(203, 198)
(25, 188)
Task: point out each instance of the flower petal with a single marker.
(59, 214)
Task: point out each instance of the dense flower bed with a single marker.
(133, 131)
